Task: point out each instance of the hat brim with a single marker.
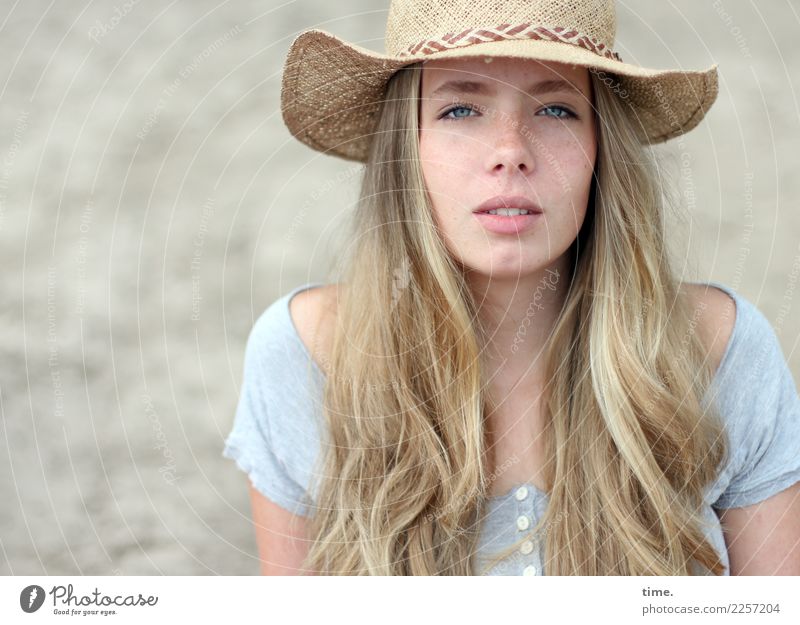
(332, 90)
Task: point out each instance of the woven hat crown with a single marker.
(416, 23)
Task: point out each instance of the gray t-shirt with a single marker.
(278, 430)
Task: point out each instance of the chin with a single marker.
(507, 271)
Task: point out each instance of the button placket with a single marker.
(529, 570)
(523, 510)
(525, 518)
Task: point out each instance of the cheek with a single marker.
(446, 171)
(429, 154)
(571, 166)
(444, 166)
(437, 148)
(567, 166)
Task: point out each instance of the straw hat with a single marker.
(332, 90)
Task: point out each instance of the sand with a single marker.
(152, 204)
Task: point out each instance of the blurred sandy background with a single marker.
(152, 204)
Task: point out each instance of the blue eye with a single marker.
(453, 109)
(567, 113)
(461, 111)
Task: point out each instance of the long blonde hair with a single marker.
(629, 444)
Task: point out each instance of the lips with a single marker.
(507, 201)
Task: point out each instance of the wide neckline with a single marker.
(723, 365)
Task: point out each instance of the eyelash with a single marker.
(444, 115)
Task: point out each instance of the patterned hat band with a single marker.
(508, 31)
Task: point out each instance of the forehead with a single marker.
(501, 72)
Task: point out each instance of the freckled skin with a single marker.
(512, 144)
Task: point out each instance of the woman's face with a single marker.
(504, 128)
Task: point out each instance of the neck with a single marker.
(518, 316)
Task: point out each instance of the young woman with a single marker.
(508, 378)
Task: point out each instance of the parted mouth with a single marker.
(508, 201)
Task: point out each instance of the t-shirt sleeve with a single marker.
(765, 458)
(250, 442)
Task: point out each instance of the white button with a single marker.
(522, 492)
(526, 547)
(523, 522)
(529, 570)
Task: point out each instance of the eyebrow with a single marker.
(481, 88)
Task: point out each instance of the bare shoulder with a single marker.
(313, 312)
(715, 313)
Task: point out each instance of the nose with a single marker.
(511, 150)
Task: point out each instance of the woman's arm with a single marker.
(764, 539)
(281, 537)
